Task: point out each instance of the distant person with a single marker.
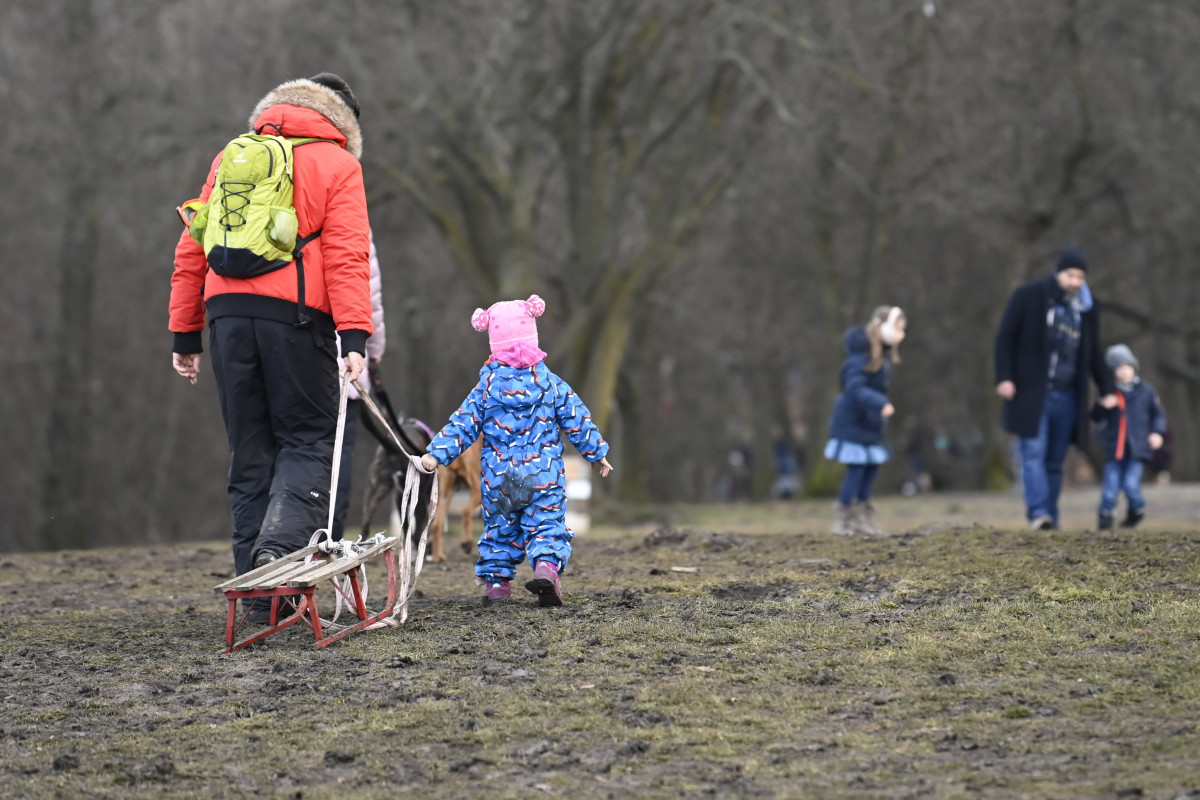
(376, 345)
(1131, 432)
(272, 333)
(859, 413)
(520, 407)
(1047, 345)
(918, 479)
(787, 473)
(741, 468)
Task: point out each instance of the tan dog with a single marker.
(465, 470)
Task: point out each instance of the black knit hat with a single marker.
(1071, 257)
(335, 82)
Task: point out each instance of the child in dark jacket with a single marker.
(519, 406)
(856, 430)
(1130, 433)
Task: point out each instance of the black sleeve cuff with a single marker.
(353, 341)
(190, 342)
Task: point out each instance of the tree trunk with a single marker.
(634, 473)
(604, 364)
(65, 479)
(824, 388)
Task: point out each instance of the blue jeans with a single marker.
(857, 485)
(1126, 475)
(1042, 455)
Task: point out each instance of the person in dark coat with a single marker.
(1047, 346)
(1130, 433)
(856, 427)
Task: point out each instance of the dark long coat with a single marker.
(1023, 356)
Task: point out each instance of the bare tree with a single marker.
(585, 150)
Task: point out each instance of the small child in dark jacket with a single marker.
(1130, 433)
(856, 429)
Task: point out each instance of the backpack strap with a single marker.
(303, 320)
(312, 140)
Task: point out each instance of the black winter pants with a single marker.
(279, 393)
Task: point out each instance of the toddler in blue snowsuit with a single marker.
(519, 406)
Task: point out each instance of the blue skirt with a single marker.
(854, 453)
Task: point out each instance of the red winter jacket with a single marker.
(329, 196)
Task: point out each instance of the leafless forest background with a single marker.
(706, 193)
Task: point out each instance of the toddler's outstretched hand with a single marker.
(429, 462)
(1156, 441)
(605, 467)
(887, 410)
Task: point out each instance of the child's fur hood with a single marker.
(321, 99)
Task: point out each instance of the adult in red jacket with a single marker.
(271, 337)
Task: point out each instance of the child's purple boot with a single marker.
(545, 584)
(497, 592)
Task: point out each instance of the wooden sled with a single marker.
(294, 576)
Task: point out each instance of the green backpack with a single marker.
(248, 226)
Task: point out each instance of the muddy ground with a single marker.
(959, 656)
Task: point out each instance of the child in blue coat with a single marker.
(1130, 432)
(856, 429)
(519, 406)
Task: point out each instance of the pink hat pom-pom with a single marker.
(535, 305)
(479, 320)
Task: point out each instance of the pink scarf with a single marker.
(518, 354)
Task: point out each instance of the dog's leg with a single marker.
(474, 501)
(379, 486)
(444, 477)
(470, 472)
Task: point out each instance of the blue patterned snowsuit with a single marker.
(520, 412)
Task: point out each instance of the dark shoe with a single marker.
(258, 610)
(264, 557)
(545, 584)
(1041, 523)
(497, 592)
(1104, 522)
(259, 616)
(1133, 518)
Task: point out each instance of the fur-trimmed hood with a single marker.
(321, 99)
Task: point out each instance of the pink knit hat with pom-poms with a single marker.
(509, 322)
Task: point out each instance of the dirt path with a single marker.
(960, 656)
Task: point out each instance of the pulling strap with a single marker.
(403, 519)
